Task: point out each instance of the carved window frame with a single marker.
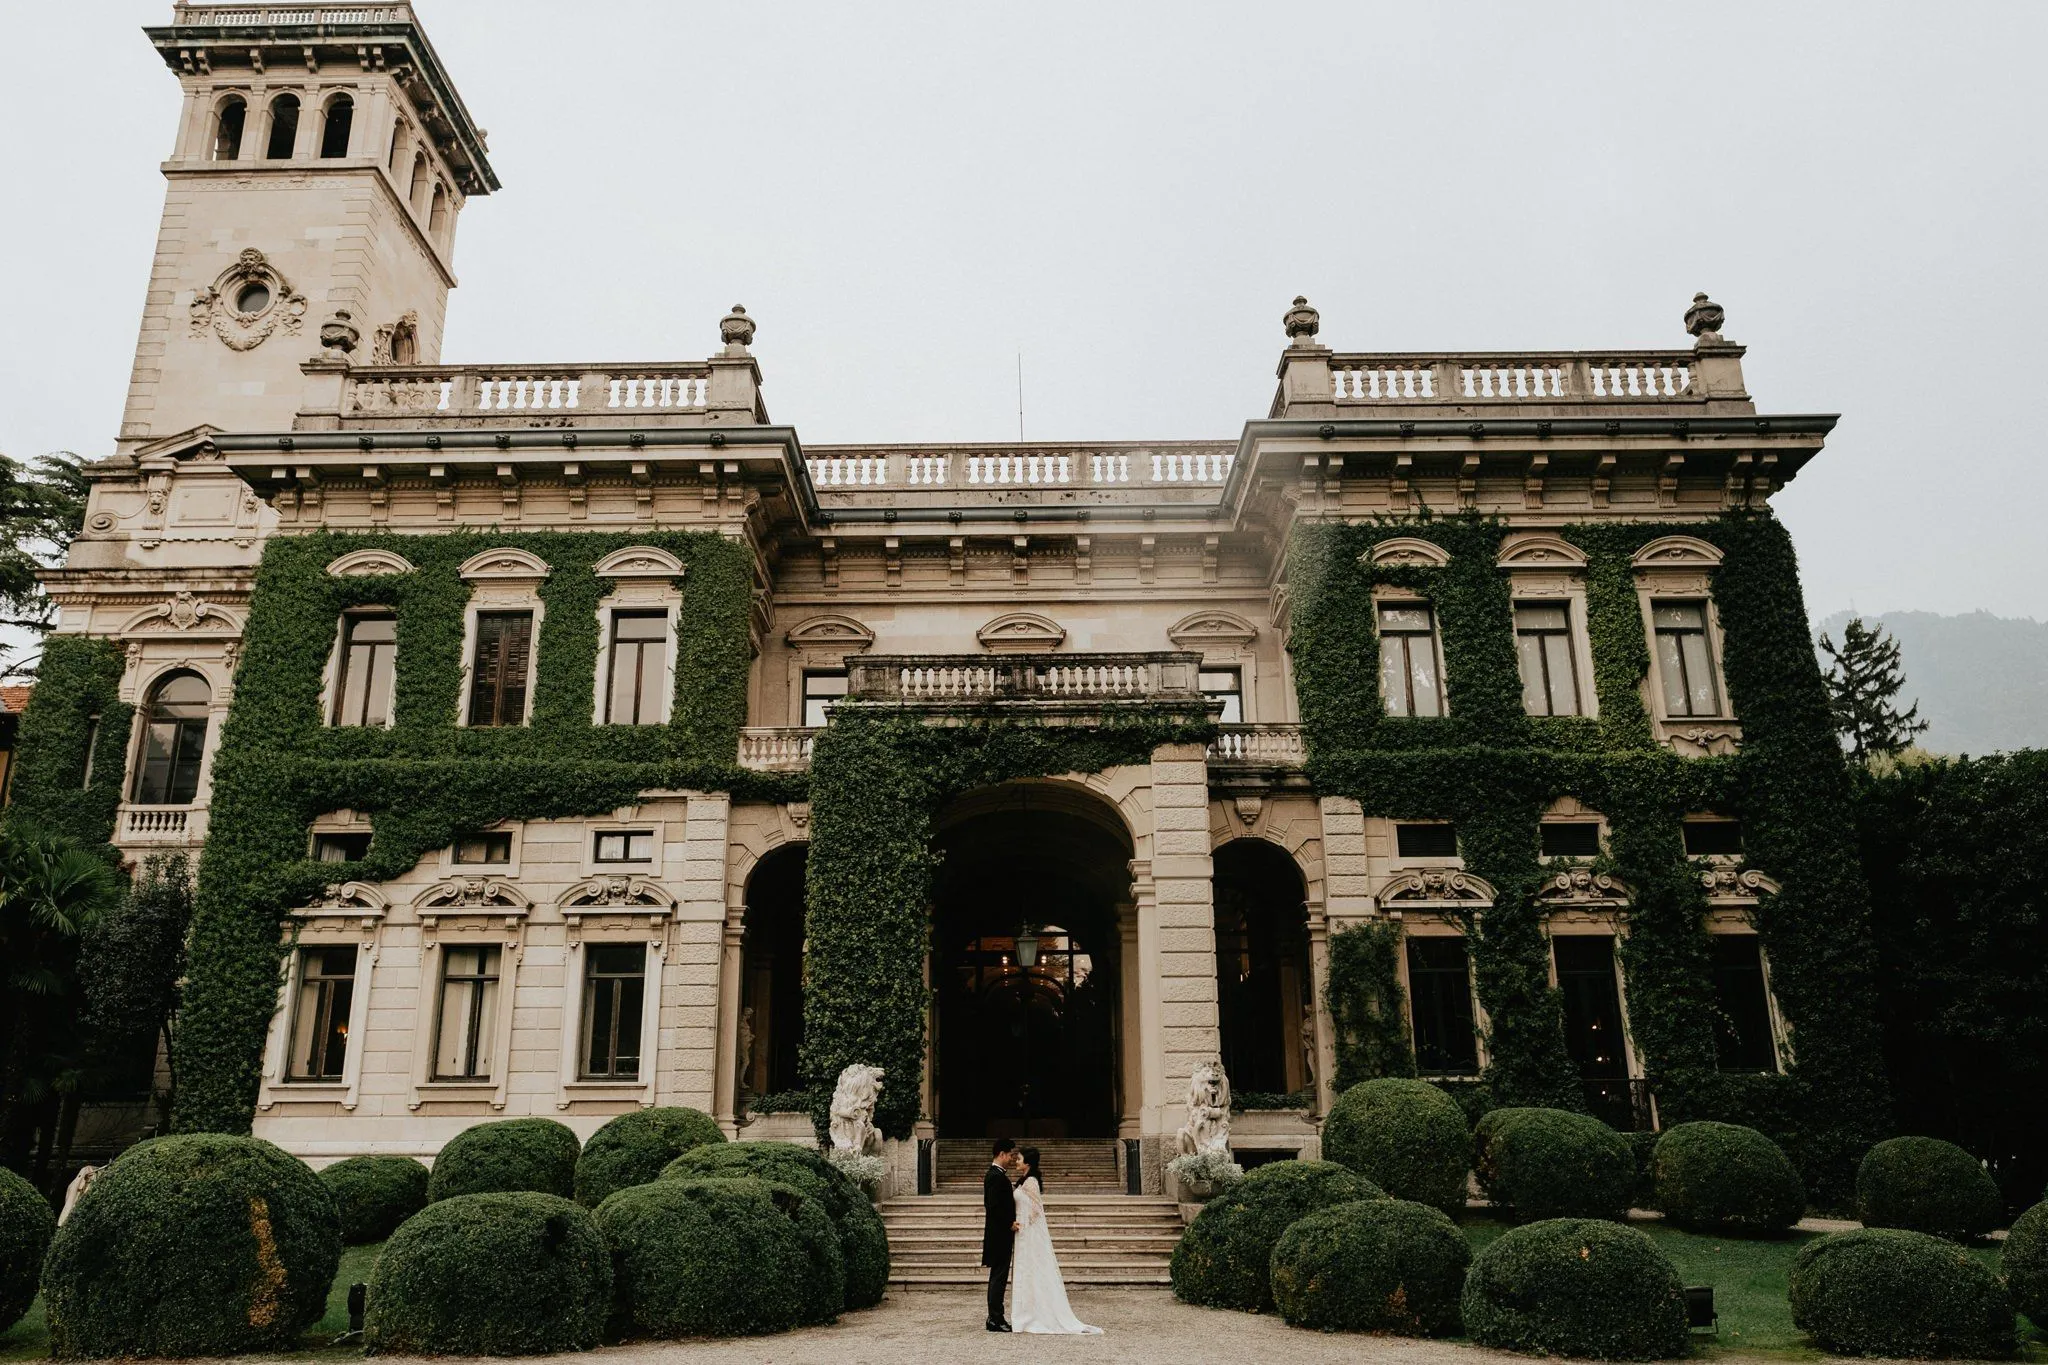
(1544, 569)
(507, 580)
(1681, 569)
(501, 925)
(1429, 924)
(1387, 595)
(352, 914)
(1227, 642)
(818, 644)
(643, 579)
(607, 925)
(1594, 922)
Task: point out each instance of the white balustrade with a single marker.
(1114, 467)
(1619, 379)
(508, 393)
(1019, 470)
(1383, 382)
(376, 397)
(847, 471)
(1511, 381)
(946, 682)
(156, 822)
(1582, 377)
(1191, 466)
(780, 749)
(926, 470)
(1093, 680)
(1278, 745)
(657, 391)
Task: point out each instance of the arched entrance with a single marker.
(772, 973)
(1264, 993)
(1026, 965)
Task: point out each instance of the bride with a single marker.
(1038, 1296)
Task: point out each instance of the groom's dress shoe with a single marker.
(996, 1325)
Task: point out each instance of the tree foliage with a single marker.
(42, 508)
(1864, 677)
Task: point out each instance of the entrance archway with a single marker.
(1264, 993)
(772, 973)
(1029, 1049)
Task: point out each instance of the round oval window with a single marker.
(254, 298)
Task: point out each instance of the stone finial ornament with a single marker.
(853, 1111)
(1303, 322)
(1208, 1125)
(1704, 318)
(339, 334)
(736, 330)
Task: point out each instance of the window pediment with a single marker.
(637, 561)
(830, 633)
(1677, 552)
(1732, 885)
(1540, 550)
(1409, 552)
(485, 896)
(369, 564)
(1213, 629)
(1021, 632)
(615, 894)
(505, 564)
(1434, 886)
(346, 900)
(1580, 887)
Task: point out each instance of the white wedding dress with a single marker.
(1038, 1296)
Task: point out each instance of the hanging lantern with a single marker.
(1027, 947)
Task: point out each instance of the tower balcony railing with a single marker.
(1412, 379)
(975, 679)
(411, 393)
(968, 469)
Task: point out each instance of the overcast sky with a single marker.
(907, 196)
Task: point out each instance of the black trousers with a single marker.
(998, 1279)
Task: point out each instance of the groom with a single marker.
(999, 1227)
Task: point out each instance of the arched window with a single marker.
(173, 741)
(437, 221)
(405, 344)
(772, 974)
(335, 127)
(228, 123)
(397, 145)
(1264, 995)
(284, 128)
(418, 190)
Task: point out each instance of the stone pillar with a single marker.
(1347, 875)
(1131, 1024)
(1183, 911)
(725, 1091)
(689, 1035)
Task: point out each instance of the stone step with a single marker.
(948, 1279)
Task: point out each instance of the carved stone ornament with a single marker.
(1676, 552)
(615, 891)
(1435, 884)
(1582, 886)
(506, 563)
(1410, 552)
(1540, 550)
(1736, 883)
(639, 561)
(1216, 629)
(397, 343)
(1302, 322)
(487, 895)
(829, 633)
(1208, 1125)
(1704, 318)
(800, 814)
(182, 611)
(369, 564)
(1021, 632)
(340, 334)
(346, 898)
(853, 1110)
(736, 329)
(247, 302)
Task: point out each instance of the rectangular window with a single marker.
(1227, 686)
(1426, 841)
(469, 1012)
(639, 664)
(1408, 672)
(504, 654)
(484, 848)
(1742, 1023)
(624, 846)
(1592, 1004)
(1440, 1003)
(1571, 839)
(327, 987)
(1684, 662)
(822, 688)
(369, 650)
(92, 744)
(614, 979)
(171, 752)
(340, 848)
(1543, 646)
(1720, 838)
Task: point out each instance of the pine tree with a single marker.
(1864, 677)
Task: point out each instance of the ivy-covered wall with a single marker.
(425, 780)
(74, 712)
(1493, 770)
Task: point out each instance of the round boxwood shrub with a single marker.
(491, 1274)
(1890, 1292)
(1923, 1184)
(1407, 1137)
(1225, 1258)
(537, 1156)
(1724, 1177)
(633, 1148)
(720, 1258)
(863, 1240)
(1552, 1163)
(2024, 1259)
(1378, 1265)
(195, 1245)
(1576, 1287)
(26, 1226)
(374, 1194)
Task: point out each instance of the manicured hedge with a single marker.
(1926, 1185)
(1724, 1177)
(720, 1258)
(26, 1226)
(374, 1194)
(863, 1240)
(1224, 1259)
(1890, 1292)
(2024, 1259)
(1552, 1163)
(633, 1148)
(1576, 1287)
(1407, 1137)
(491, 1274)
(198, 1245)
(532, 1155)
(1378, 1265)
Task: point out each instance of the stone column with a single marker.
(1346, 873)
(1183, 909)
(725, 1092)
(1131, 1025)
(690, 1022)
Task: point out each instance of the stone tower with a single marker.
(321, 162)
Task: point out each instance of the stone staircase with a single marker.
(1102, 1239)
(1071, 1165)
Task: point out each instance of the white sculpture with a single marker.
(1208, 1125)
(853, 1111)
(80, 1183)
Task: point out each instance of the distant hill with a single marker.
(1981, 680)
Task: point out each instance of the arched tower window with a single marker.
(405, 344)
(437, 221)
(418, 189)
(173, 741)
(397, 145)
(284, 128)
(335, 127)
(1265, 998)
(228, 123)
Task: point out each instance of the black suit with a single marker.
(999, 1211)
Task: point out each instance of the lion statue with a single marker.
(853, 1111)
(1208, 1125)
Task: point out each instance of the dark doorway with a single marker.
(1263, 994)
(1592, 1025)
(772, 973)
(1028, 1049)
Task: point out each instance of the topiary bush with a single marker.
(1407, 1137)
(633, 1148)
(1224, 1259)
(720, 1258)
(197, 1245)
(863, 1240)
(374, 1194)
(26, 1226)
(504, 1274)
(1923, 1184)
(1891, 1292)
(1378, 1265)
(1552, 1163)
(2024, 1259)
(1576, 1287)
(533, 1155)
(1724, 1177)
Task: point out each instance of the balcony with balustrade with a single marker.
(1072, 689)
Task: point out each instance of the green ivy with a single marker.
(75, 706)
(425, 780)
(1366, 1003)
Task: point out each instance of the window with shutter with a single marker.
(498, 673)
